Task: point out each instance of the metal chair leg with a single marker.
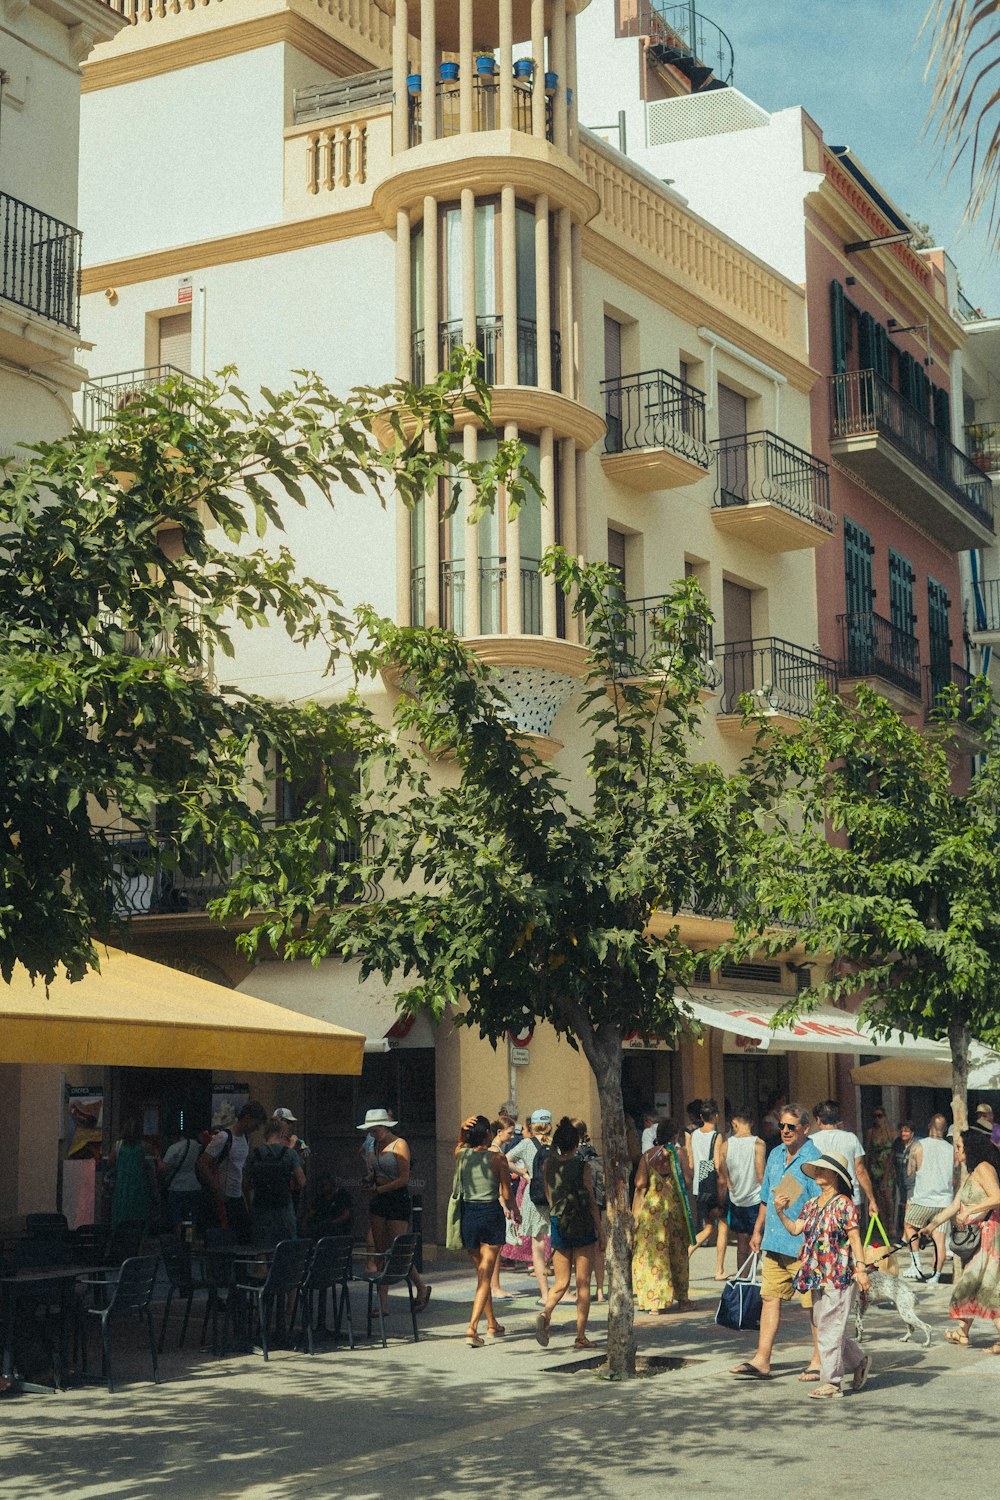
(381, 1320)
(262, 1316)
(187, 1314)
(166, 1315)
(413, 1311)
(152, 1346)
(106, 1355)
(371, 1291)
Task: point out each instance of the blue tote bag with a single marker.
(740, 1303)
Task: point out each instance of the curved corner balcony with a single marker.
(885, 441)
(485, 113)
(490, 347)
(655, 437)
(679, 37)
(776, 675)
(771, 493)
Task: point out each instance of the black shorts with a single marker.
(397, 1205)
(483, 1224)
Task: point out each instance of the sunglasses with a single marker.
(789, 1127)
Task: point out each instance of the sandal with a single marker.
(807, 1377)
(473, 1340)
(824, 1392)
(422, 1302)
(542, 1330)
(992, 1348)
(496, 1332)
(861, 1374)
(583, 1343)
(954, 1336)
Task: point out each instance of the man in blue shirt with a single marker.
(781, 1249)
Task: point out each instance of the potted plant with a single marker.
(449, 72)
(486, 64)
(551, 82)
(413, 83)
(524, 67)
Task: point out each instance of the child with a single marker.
(831, 1263)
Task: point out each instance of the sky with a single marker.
(857, 66)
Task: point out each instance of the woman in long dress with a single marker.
(976, 1293)
(881, 1163)
(130, 1201)
(663, 1227)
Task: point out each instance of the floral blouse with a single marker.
(826, 1258)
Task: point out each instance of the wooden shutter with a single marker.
(866, 342)
(838, 325)
(175, 341)
(942, 411)
(901, 580)
(882, 351)
(858, 549)
(939, 633)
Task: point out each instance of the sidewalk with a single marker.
(440, 1420)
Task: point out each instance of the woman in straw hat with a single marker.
(389, 1201)
(831, 1267)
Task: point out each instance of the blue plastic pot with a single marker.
(449, 72)
(486, 66)
(524, 67)
(551, 82)
(413, 83)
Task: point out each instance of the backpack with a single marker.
(571, 1205)
(536, 1185)
(270, 1174)
(588, 1153)
(203, 1167)
(707, 1196)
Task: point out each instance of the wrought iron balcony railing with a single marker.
(778, 676)
(655, 410)
(939, 678)
(489, 342)
(492, 596)
(760, 466)
(982, 443)
(862, 403)
(155, 879)
(641, 650)
(683, 39)
(874, 647)
(107, 395)
(485, 108)
(39, 262)
(153, 645)
(986, 604)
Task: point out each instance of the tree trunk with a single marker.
(603, 1050)
(958, 1037)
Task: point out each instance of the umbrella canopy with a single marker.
(134, 1013)
(924, 1073)
(824, 1029)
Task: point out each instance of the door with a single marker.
(859, 598)
(738, 656)
(939, 635)
(732, 451)
(175, 341)
(612, 390)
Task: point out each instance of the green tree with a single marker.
(884, 870)
(506, 899)
(965, 52)
(128, 557)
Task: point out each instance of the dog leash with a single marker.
(892, 1246)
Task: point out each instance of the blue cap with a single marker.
(541, 1117)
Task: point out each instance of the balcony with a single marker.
(154, 879)
(106, 396)
(771, 493)
(884, 655)
(485, 108)
(680, 38)
(982, 443)
(888, 444)
(39, 263)
(641, 654)
(985, 623)
(939, 679)
(489, 343)
(655, 436)
(776, 675)
(492, 596)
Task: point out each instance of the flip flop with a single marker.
(861, 1374)
(751, 1371)
(422, 1302)
(542, 1331)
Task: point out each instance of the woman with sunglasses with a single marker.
(880, 1159)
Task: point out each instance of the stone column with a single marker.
(513, 553)
(428, 68)
(466, 66)
(547, 479)
(557, 38)
(404, 312)
(506, 65)
(573, 382)
(400, 68)
(543, 301)
(573, 115)
(432, 364)
(538, 82)
(566, 301)
(508, 282)
(470, 446)
(567, 519)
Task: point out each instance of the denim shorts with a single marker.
(483, 1224)
(559, 1243)
(742, 1220)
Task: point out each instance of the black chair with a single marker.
(178, 1265)
(329, 1270)
(87, 1244)
(130, 1297)
(397, 1268)
(46, 1226)
(284, 1275)
(125, 1242)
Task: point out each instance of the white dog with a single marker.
(885, 1288)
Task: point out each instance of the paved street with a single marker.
(438, 1419)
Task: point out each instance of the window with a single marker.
(174, 341)
(859, 589)
(939, 634)
(901, 581)
(616, 558)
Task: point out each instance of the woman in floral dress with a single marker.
(663, 1228)
(881, 1164)
(976, 1293)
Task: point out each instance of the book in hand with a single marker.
(791, 1188)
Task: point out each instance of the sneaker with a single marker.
(912, 1274)
(935, 1279)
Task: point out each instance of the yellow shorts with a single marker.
(778, 1274)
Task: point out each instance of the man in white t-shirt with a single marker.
(222, 1164)
(829, 1136)
(650, 1120)
(932, 1164)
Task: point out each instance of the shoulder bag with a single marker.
(453, 1218)
(740, 1303)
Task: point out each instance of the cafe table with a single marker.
(30, 1285)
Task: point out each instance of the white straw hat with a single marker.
(377, 1117)
(830, 1161)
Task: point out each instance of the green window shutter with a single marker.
(939, 633)
(866, 342)
(858, 551)
(922, 389)
(901, 578)
(906, 376)
(838, 323)
(942, 411)
(882, 351)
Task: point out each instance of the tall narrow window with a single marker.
(737, 655)
(175, 341)
(616, 558)
(732, 453)
(938, 634)
(527, 307)
(901, 581)
(613, 375)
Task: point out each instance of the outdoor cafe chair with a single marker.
(184, 1282)
(397, 1267)
(329, 1269)
(130, 1298)
(87, 1244)
(125, 1242)
(284, 1275)
(46, 1226)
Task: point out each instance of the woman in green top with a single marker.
(576, 1228)
(130, 1203)
(487, 1204)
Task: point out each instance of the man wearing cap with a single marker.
(284, 1119)
(781, 1250)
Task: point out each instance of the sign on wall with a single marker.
(227, 1101)
(185, 291)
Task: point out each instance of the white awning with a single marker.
(333, 989)
(929, 1073)
(825, 1029)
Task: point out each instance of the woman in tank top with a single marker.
(487, 1204)
(744, 1156)
(389, 1201)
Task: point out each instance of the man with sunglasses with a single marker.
(780, 1249)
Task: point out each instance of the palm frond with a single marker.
(965, 52)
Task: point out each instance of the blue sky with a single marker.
(858, 68)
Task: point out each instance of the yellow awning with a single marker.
(135, 1013)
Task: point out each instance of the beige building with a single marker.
(384, 183)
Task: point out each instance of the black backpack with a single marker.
(707, 1196)
(270, 1175)
(588, 1152)
(536, 1186)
